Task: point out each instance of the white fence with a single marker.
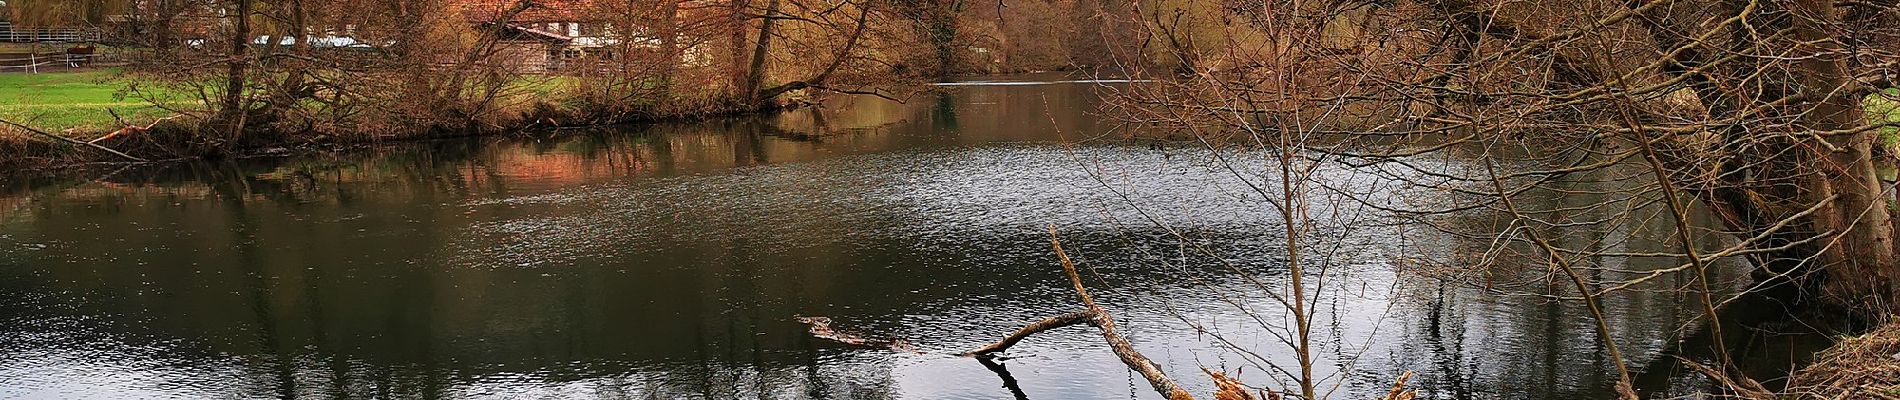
(9, 33)
(34, 63)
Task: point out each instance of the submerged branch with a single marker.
(1064, 320)
(1100, 318)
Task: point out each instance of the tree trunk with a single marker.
(291, 90)
(735, 35)
(1094, 314)
(669, 43)
(940, 22)
(1859, 266)
(231, 108)
(837, 60)
(755, 71)
(1834, 175)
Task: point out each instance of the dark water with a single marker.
(669, 262)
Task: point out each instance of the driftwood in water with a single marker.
(821, 328)
(1227, 388)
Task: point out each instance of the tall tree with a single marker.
(231, 109)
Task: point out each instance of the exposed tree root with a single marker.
(1738, 386)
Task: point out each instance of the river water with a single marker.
(669, 261)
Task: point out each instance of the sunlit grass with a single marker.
(86, 101)
(1885, 107)
(547, 85)
(83, 101)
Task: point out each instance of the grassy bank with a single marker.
(1884, 108)
(76, 101)
(86, 106)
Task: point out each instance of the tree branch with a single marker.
(1094, 315)
(1059, 321)
(73, 141)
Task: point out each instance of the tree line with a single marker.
(248, 73)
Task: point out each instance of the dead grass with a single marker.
(1864, 367)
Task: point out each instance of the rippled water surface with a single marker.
(669, 262)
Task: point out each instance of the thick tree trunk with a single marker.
(669, 43)
(1831, 176)
(291, 90)
(735, 37)
(1860, 265)
(837, 60)
(762, 48)
(940, 22)
(231, 108)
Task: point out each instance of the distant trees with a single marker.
(241, 73)
(262, 69)
(36, 13)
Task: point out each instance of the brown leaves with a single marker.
(1399, 392)
(1228, 388)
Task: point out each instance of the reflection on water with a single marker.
(668, 262)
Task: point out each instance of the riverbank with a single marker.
(107, 117)
(1862, 367)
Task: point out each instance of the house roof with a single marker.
(540, 11)
(539, 34)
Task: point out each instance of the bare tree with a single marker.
(1751, 111)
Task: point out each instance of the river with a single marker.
(669, 261)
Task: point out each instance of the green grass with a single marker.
(84, 102)
(1884, 108)
(71, 100)
(546, 86)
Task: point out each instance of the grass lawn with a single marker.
(1882, 108)
(62, 100)
(58, 101)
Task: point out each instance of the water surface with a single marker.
(669, 261)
